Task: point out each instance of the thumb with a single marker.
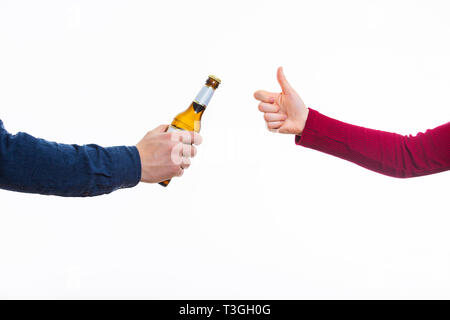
(284, 84)
(161, 129)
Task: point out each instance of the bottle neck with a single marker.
(204, 96)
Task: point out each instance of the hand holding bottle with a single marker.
(190, 119)
(166, 154)
(285, 111)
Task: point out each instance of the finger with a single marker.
(180, 172)
(268, 107)
(284, 84)
(185, 163)
(188, 151)
(274, 124)
(265, 96)
(183, 136)
(270, 117)
(191, 137)
(176, 154)
(193, 151)
(197, 138)
(187, 137)
(161, 128)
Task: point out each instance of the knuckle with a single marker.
(175, 169)
(148, 135)
(169, 135)
(190, 135)
(177, 136)
(174, 145)
(186, 136)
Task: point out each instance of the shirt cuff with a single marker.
(307, 137)
(126, 166)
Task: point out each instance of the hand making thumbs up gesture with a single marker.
(285, 112)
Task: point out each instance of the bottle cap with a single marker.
(215, 78)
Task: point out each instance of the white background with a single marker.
(255, 216)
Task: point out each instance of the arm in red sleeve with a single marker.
(383, 152)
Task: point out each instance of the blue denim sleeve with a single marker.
(33, 165)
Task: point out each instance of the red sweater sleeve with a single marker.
(383, 152)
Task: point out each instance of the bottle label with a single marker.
(172, 128)
(204, 96)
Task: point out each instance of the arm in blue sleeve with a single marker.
(32, 165)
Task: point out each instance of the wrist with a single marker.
(141, 162)
(302, 122)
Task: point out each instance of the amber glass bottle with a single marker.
(190, 119)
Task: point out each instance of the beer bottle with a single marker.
(190, 118)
